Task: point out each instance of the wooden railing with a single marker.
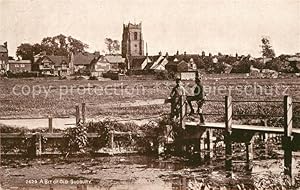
(228, 115)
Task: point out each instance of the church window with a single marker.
(135, 36)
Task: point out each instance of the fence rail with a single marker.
(232, 131)
(37, 139)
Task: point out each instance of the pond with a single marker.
(139, 172)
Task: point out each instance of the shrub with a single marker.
(76, 139)
(93, 78)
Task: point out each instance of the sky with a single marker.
(226, 26)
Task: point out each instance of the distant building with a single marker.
(18, 66)
(105, 63)
(182, 62)
(159, 62)
(139, 62)
(117, 63)
(3, 57)
(81, 62)
(132, 40)
(99, 66)
(52, 65)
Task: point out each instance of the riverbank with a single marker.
(136, 172)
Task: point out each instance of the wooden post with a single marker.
(38, 144)
(83, 112)
(249, 151)
(208, 145)
(249, 154)
(287, 139)
(172, 107)
(182, 111)
(112, 139)
(50, 129)
(77, 114)
(228, 131)
(197, 149)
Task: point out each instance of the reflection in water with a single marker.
(170, 174)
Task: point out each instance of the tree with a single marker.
(62, 45)
(267, 50)
(25, 51)
(57, 45)
(113, 46)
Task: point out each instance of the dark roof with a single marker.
(137, 61)
(154, 58)
(187, 57)
(158, 64)
(148, 66)
(84, 58)
(170, 58)
(3, 49)
(19, 62)
(58, 60)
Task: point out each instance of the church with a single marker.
(132, 40)
(140, 62)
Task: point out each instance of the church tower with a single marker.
(132, 40)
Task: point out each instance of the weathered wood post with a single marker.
(183, 107)
(227, 133)
(111, 138)
(197, 149)
(249, 154)
(77, 114)
(83, 108)
(208, 145)
(50, 124)
(249, 151)
(287, 139)
(38, 144)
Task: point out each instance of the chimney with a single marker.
(184, 53)
(5, 44)
(177, 53)
(159, 53)
(167, 54)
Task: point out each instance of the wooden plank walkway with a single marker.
(263, 129)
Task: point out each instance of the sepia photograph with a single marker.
(149, 94)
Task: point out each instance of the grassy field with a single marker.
(41, 97)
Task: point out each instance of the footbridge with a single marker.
(195, 131)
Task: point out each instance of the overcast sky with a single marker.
(226, 26)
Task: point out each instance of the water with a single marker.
(59, 123)
(135, 172)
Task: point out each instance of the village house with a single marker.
(138, 63)
(18, 66)
(182, 63)
(52, 65)
(3, 57)
(80, 62)
(105, 63)
(117, 63)
(99, 66)
(159, 62)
